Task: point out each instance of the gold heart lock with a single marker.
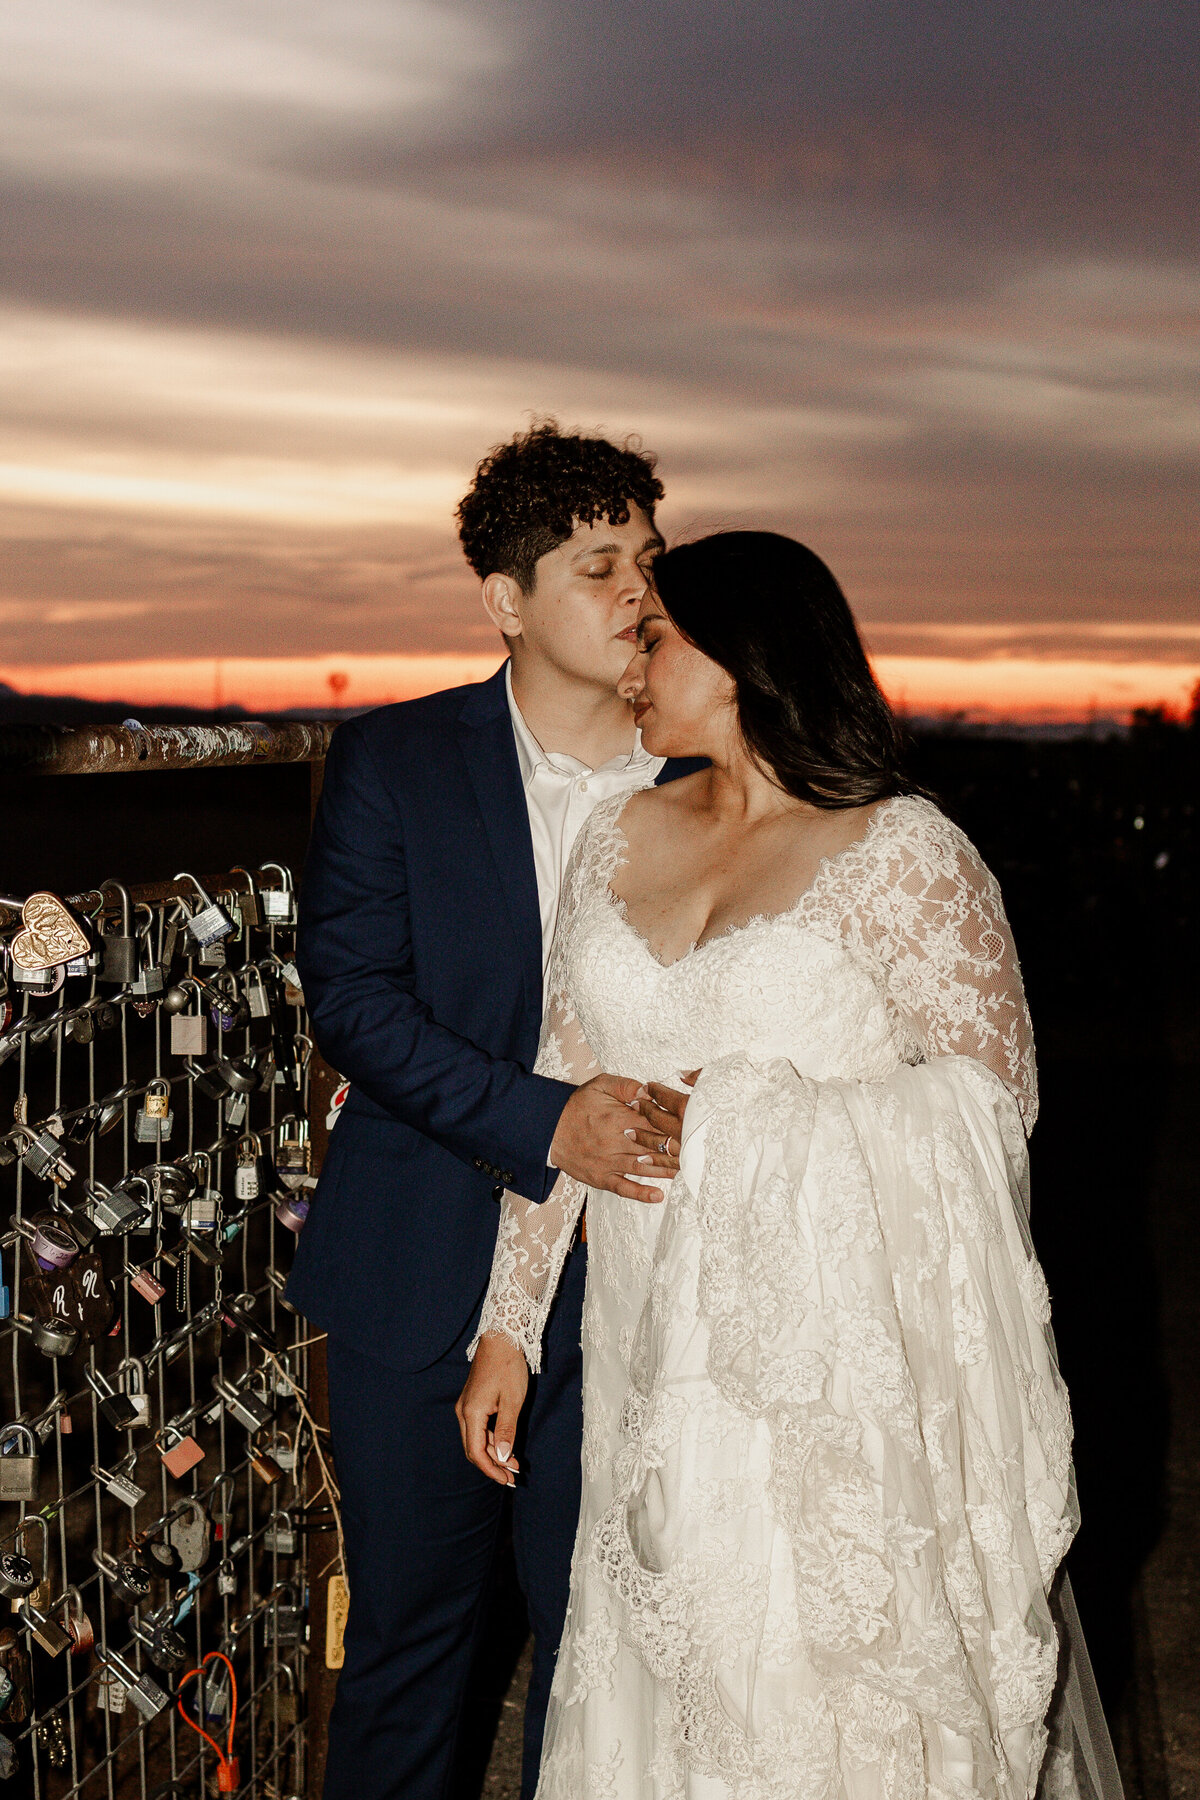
(51, 936)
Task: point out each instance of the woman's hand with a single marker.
(663, 1108)
(490, 1405)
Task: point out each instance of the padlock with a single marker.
(10, 1758)
(44, 1157)
(217, 1692)
(265, 1467)
(237, 1313)
(148, 983)
(39, 1593)
(190, 1535)
(226, 1008)
(93, 1301)
(227, 1580)
(112, 1693)
(170, 1184)
(131, 1377)
(258, 1003)
(179, 1451)
(283, 1620)
(189, 1034)
(79, 1627)
(248, 1408)
(20, 1468)
(236, 1108)
(279, 903)
(164, 1645)
(247, 1179)
(248, 903)
(120, 965)
(293, 1151)
(115, 1211)
(146, 1284)
(211, 923)
(279, 1536)
(292, 1211)
(283, 1450)
(44, 1629)
(6, 1687)
(143, 1690)
(52, 1244)
(155, 1119)
(17, 1577)
(117, 1408)
(128, 1579)
(52, 1337)
(119, 1486)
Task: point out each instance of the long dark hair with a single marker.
(772, 615)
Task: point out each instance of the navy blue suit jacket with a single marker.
(420, 950)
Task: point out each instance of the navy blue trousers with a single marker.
(421, 1528)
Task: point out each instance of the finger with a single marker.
(506, 1430)
(633, 1190)
(653, 1141)
(670, 1099)
(650, 1162)
(664, 1123)
(475, 1422)
(693, 1077)
(508, 1462)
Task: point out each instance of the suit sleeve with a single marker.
(355, 959)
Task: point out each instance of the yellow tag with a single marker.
(337, 1608)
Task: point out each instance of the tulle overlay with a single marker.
(827, 1480)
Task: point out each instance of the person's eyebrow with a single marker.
(653, 542)
(596, 550)
(647, 619)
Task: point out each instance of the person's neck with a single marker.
(576, 718)
(739, 790)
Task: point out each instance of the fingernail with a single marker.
(631, 1133)
(503, 1451)
(643, 1093)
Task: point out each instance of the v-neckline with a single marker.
(823, 868)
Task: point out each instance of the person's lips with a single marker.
(640, 710)
(629, 635)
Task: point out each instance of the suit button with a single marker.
(478, 1161)
(497, 1193)
(507, 1178)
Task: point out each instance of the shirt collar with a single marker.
(531, 757)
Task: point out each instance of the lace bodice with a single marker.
(898, 952)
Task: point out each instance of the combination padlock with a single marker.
(155, 1119)
(20, 1467)
(121, 1487)
(128, 1579)
(53, 1337)
(143, 1690)
(163, 1644)
(17, 1577)
(279, 903)
(248, 1174)
(211, 923)
(226, 1008)
(119, 967)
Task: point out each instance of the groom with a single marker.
(429, 903)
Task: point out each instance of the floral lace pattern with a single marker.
(826, 1445)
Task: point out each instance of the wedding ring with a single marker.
(662, 1148)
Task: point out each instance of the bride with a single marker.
(827, 1477)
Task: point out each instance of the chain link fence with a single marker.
(166, 1506)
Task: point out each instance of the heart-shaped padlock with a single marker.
(51, 936)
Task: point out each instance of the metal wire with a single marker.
(76, 1064)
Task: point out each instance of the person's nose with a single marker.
(634, 585)
(632, 680)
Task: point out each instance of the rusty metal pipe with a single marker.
(130, 748)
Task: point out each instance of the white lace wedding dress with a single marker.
(827, 1478)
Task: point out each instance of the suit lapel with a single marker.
(490, 752)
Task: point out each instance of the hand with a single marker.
(663, 1109)
(599, 1144)
(490, 1405)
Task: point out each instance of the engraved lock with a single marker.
(250, 1410)
(120, 1486)
(258, 1001)
(44, 1157)
(131, 1377)
(53, 1245)
(280, 1535)
(247, 1180)
(128, 1579)
(279, 903)
(179, 1450)
(211, 923)
(143, 1690)
(155, 1119)
(148, 983)
(20, 1464)
(248, 903)
(117, 1408)
(119, 967)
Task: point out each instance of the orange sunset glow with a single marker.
(273, 280)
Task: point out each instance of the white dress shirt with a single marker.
(560, 792)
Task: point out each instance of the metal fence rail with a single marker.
(164, 1491)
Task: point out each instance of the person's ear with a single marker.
(502, 598)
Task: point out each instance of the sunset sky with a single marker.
(918, 283)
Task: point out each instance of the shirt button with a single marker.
(583, 787)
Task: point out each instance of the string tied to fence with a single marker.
(228, 1773)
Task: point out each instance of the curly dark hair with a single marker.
(529, 494)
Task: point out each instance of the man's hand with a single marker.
(601, 1141)
(663, 1109)
(490, 1405)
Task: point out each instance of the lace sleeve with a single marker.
(533, 1240)
(952, 972)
